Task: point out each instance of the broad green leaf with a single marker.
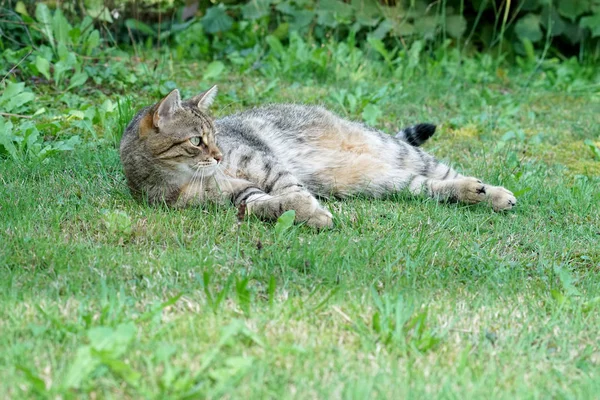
(558, 296)
(12, 89)
(83, 365)
(59, 69)
(32, 140)
(529, 50)
(43, 16)
(301, 18)
(14, 96)
(333, 12)
(67, 145)
(77, 114)
(285, 222)
(120, 368)
(327, 18)
(592, 22)
(19, 100)
(352, 102)
(6, 139)
(98, 10)
(573, 32)
(427, 26)
(522, 191)
(594, 149)
(216, 20)
(91, 42)
(530, 5)
(456, 25)
(43, 66)
(371, 114)
(117, 222)
(61, 27)
(21, 9)
(567, 281)
(552, 21)
(108, 106)
(379, 47)
(275, 45)
(528, 28)
(75, 36)
(213, 71)
(256, 9)
(573, 8)
(112, 341)
(38, 383)
(414, 54)
(404, 29)
(77, 79)
(367, 12)
(139, 26)
(282, 30)
(337, 7)
(382, 30)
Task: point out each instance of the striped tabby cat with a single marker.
(282, 157)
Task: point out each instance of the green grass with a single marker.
(101, 296)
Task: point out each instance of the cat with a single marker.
(282, 157)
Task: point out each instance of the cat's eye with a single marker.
(195, 140)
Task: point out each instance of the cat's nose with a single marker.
(218, 157)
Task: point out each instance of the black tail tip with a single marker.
(424, 131)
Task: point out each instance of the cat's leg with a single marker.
(292, 196)
(258, 202)
(464, 189)
(283, 189)
(438, 180)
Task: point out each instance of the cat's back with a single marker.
(131, 132)
(278, 121)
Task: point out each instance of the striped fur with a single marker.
(281, 157)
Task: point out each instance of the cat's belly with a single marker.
(339, 163)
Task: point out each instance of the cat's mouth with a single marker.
(205, 164)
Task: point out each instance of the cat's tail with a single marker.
(416, 135)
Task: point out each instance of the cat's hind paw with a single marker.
(500, 198)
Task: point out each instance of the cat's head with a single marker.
(181, 134)
(170, 143)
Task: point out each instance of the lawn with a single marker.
(104, 297)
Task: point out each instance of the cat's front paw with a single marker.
(500, 198)
(471, 190)
(321, 218)
(308, 209)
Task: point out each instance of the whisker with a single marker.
(224, 180)
(202, 180)
(195, 176)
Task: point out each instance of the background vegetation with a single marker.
(102, 296)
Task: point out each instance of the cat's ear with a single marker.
(167, 107)
(205, 99)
